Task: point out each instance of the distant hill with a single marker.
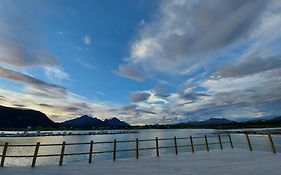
(211, 121)
(23, 118)
(217, 121)
(276, 119)
(86, 121)
(115, 122)
(272, 120)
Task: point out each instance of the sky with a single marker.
(143, 61)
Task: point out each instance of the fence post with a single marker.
(35, 154)
(272, 144)
(230, 141)
(114, 149)
(191, 143)
(176, 145)
(91, 151)
(4, 154)
(62, 153)
(206, 142)
(157, 146)
(219, 136)
(249, 142)
(137, 148)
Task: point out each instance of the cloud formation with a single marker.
(184, 34)
(139, 96)
(225, 51)
(41, 87)
(20, 43)
(251, 65)
(129, 72)
(87, 40)
(202, 58)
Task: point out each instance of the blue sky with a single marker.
(142, 61)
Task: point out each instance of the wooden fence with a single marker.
(91, 152)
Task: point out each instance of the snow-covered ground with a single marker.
(226, 162)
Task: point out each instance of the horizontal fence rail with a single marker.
(206, 143)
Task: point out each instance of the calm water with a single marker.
(142, 134)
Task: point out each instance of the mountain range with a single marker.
(86, 121)
(211, 121)
(24, 118)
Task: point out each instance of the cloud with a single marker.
(22, 48)
(193, 96)
(184, 35)
(21, 44)
(251, 65)
(254, 91)
(62, 108)
(249, 96)
(56, 73)
(139, 96)
(129, 72)
(19, 105)
(16, 53)
(224, 56)
(39, 87)
(216, 59)
(46, 105)
(87, 40)
(130, 107)
(84, 64)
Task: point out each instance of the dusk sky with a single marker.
(143, 61)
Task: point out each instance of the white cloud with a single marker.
(226, 52)
(84, 64)
(56, 74)
(189, 40)
(144, 49)
(87, 40)
(188, 35)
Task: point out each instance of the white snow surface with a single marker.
(217, 162)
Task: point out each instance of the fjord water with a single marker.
(141, 134)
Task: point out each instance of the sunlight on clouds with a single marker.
(58, 109)
(184, 46)
(144, 49)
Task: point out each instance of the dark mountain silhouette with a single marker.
(272, 120)
(217, 121)
(84, 121)
(23, 118)
(276, 119)
(115, 122)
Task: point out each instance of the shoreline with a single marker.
(63, 133)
